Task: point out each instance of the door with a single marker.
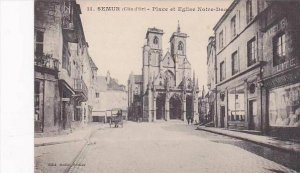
(254, 122)
(222, 114)
(38, 107)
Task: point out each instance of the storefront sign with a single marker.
(65, 99)
(286, 65)
(278, 27)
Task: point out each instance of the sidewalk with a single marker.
(76, 135)
(267, 141)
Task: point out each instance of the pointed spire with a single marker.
(178, 27)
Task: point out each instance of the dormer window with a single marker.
(155, 40)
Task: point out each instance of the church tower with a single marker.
(178, 52)
(152, 54)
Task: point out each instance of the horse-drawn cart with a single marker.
(116, 118)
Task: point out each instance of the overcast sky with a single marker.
(116, 38)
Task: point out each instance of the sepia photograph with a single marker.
(168, 86)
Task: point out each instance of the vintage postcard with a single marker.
(166, 86)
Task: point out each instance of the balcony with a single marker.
(81, 89)
(45, 63)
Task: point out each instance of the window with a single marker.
(234, 63)
(68, 9)
(249, 10)
(180, 46)
(251, 53)
(222, 71)
(221, 43)
(279, 52)
(284, 106)
(155, 40)
(97, 95)
(39, 42)
(37, 100)
(236, 104)
(233, 26)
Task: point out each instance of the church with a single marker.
(166, 89)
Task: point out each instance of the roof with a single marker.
(178, 34)
(138, 78)
(228, 11)
(93, 65)
(154, 30)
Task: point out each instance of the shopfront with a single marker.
(283, 104)
(236, 112)
(284, 111)
(238, 104)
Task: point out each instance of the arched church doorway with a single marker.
(160, 106)
(175, 107)
(189, 106)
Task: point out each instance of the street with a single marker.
(160, 147)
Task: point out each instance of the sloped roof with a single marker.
(93, 65)
(168, 61)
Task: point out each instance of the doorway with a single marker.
(160, 106)
(38, 107)
(222, 116)
(254, 122)
(175, 107)
(189, 107)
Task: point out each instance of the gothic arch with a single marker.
(175, 106)
(189, 106)
(160, 105)
(169, 77)
(155, 40)
(180, 46)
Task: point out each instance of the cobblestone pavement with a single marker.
(168, 147)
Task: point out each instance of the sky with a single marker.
(116, 38)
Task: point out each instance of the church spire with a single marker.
(178, 27)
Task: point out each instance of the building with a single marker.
(109, 95)
(168, 90)
(135, 85)
(257, 63)
(280, 83)
(62, 67)
(211, 79)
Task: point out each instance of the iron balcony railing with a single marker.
(80, 86)
(46, 61)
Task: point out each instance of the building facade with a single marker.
(211, 79)
(169, 91)
(281, 73)
(135, 85)
(109, 95)
(257, 60)
(62, 66)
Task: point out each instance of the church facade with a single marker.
(168, 90)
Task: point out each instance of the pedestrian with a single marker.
(189, 118)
